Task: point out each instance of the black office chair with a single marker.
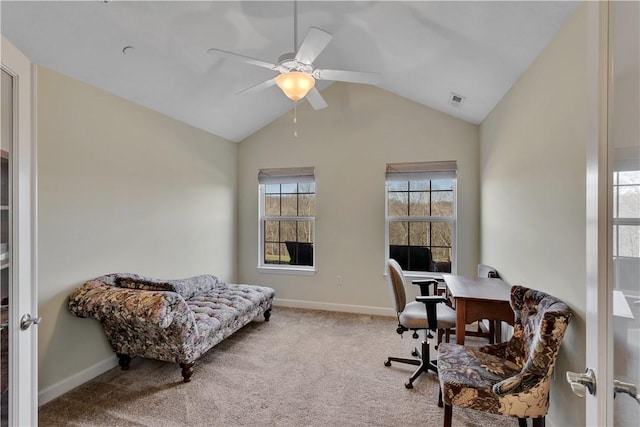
(413, 258)
(300, 253)
(425, 313)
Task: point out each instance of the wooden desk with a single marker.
(476, 299)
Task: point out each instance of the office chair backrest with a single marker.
(396, 280)
(487, 271)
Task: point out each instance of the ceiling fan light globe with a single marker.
(295, 84)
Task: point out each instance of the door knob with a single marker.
(622, 387)
(580, 383)
(27, 321)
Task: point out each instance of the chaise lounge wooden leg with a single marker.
(123, 361)
(267, 315)
(187, 371)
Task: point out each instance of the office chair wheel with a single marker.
(415, 335)
(387, 363)
(408, 385)
(415, 353)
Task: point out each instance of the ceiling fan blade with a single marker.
(347, 76)
(247, 59)
(314, 42)
(316, 100)
(258, 87)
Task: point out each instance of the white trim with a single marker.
(598, 334)
(453, 220)
(69, 383)
(281, 268)
(329, 306)
(23, 368)
(287, 270)
(34, 233)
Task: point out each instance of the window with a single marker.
(421, 216)
(287, 218)
(626, 229)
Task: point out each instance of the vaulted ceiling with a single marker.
(423, 51)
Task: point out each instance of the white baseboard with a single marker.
(76, 380)
(345, 308)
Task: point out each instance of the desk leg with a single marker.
(498, 332)
(461, 309)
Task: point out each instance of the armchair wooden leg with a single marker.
(535, 422)
(448, 413)
(440, 404)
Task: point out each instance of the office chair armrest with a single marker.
(430, 303)
(432, 299)
(424, 286)
(424, 281)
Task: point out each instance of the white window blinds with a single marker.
(286, 175)
(421, 170)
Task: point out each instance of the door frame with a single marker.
(599, 408)
(23, 352)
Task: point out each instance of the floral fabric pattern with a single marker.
(185, 287)
(510, 378)
(141, 317)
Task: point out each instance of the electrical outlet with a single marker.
(338, 280)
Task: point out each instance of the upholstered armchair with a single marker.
(511, 378)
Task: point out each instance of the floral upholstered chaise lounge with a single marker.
(170, 320)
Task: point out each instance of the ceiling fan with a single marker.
(297, 74)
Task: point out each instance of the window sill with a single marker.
(288, 270)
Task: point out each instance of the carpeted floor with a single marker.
(303, 368)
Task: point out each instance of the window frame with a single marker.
(262, 218)
(424, 175)
(617, 222)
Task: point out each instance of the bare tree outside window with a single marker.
(420, 218)
(288, 222)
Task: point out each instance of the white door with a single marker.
(613, 212)
(17, 262)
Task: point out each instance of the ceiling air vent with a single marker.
(456, 100)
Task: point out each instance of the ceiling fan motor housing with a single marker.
(288, 62)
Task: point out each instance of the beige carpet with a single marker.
(303, 368)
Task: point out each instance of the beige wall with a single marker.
(533, 175)
(349, 143)
(121, 189)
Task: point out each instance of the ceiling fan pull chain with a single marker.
(295, 119)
